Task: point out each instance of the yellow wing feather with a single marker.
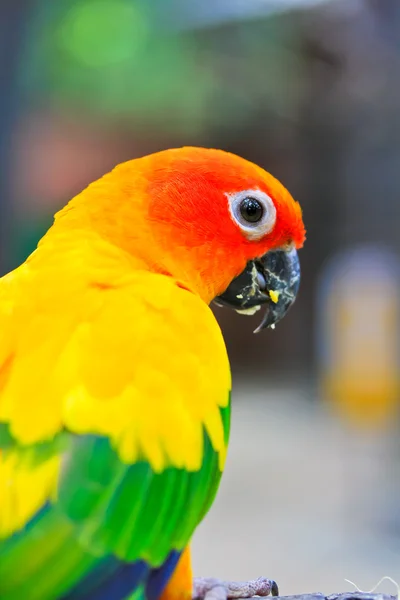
(123, 353)
(24, 488)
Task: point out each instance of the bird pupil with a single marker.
(251, 210)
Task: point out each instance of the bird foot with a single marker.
(216, 589)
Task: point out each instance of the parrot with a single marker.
(115, 384)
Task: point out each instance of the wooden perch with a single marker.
(342, 596)
(210, 588)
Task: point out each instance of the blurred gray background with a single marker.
(311, 91)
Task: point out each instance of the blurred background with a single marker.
(311, 91)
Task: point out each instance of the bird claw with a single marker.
(216, 589)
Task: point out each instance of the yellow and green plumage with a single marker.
(114, 387)
(161, 417)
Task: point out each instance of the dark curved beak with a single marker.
(272, 280)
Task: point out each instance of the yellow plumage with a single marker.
(24, 488)
(138, 359)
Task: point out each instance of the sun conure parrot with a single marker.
(114, 378)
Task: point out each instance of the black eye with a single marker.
(251, 210)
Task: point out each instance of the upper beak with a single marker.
(273, 280)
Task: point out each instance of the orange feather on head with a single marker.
(170, 211)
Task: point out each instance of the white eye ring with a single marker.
(260, 204)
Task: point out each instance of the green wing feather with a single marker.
(103, 507)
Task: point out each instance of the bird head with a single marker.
(220, 225)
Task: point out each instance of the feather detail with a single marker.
(142, 362)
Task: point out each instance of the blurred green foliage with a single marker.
(111, 57)
(118, 60)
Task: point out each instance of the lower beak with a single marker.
(272, 280)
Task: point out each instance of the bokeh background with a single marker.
(311, 91)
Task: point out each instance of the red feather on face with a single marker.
(190, 189)
(170, 211)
